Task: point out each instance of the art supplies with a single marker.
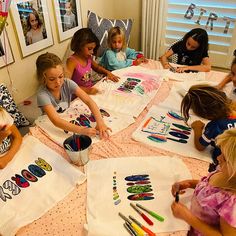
(130, 229)
(150, 233)
(152, 213)
(177, 193)
(142, 214)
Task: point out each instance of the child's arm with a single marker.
(226, 80)
(164, 59)
(102, 70)
(16, 140)
(204, 67)
(180, 211)
(65, 125)
(101, 126)
(198, 127)
(70, 67)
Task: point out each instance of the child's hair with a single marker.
(46, 61)
(227, 143)
(199, 35)
(82, 37)
(35, 13)
(114, 31)
(207, 102)
(234, 60)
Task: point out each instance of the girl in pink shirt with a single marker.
(80, 65)
(213, 206)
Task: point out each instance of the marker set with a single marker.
(140, 188)
(134, 227)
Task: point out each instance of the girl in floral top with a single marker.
(213, 206)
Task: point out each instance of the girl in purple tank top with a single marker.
(80, 65)
(213, 205)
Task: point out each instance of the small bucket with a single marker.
(77, 147)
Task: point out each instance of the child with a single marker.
(209, 103)
(118, 55)
(56, 93)
(10, 138)
(69, 21)
(192, 51)
(230, 77)
(213, 202)
(35, 28)
(84, 44)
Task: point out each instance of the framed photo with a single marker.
(6, 56)
(32, 25)
(68, 15)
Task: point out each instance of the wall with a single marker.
(22, 71)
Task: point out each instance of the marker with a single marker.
(138, 230)
(152, 213)
(129, 229)
(177, 193)
(150, 233)
(143, 215)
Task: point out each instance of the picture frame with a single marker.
(68, 17)
(32, 25)
(6, 56)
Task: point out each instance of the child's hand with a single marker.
(181, 69)
(112, 77)
(180, 186)
(179, 210)
(103, 131)
(140, 60)
(198, 125)
(91, 132)
(93, 91)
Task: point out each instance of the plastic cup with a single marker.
(79, 157)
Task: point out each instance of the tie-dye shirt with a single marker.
(211, 203)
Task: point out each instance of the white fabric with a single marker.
(25, 205)
(116, 122)
(152, 26)
(102, 213)
(131, 103)
(163, 129)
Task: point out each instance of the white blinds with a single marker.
(181, 16)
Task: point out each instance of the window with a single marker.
(217, 17)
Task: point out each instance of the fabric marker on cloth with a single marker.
(138, 230)
(152, 213)
(129, 229)
(142, 214)
(148, 231)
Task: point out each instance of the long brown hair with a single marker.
(207, 102)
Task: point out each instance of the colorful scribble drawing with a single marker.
(141, 186)
(131, 85)
(141, 197)
(116, 197)
(161, 131)
(140, 189)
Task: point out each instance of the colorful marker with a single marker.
(150, 233)
(138, 230)
(152, 213)
(143, 215)
(129, 229)
(177, 193)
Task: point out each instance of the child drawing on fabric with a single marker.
(69, 20)
(118, 55)
(10, 138)
(36, 31)
(192, 51)
(213, 202)
(209, 103)
(80, 65)
(231, 77)
(56, 93)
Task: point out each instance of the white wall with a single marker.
(22, 71)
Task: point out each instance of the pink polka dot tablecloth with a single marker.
(69, 215)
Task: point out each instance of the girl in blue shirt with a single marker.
(118, 55)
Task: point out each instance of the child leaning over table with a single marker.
(212, 104)
(10, 138)
(118, 55)
(213, 204)
(56, 93)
